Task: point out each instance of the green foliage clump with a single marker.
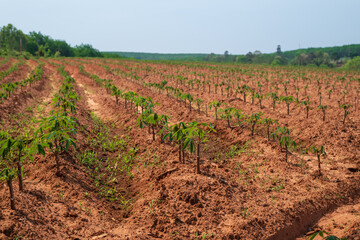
(353, 64)
(279, 61)
(15, 43)
(86, 50)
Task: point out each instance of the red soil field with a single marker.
(139, 189)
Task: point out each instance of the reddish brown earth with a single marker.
(6, 65)
(20, 74)
(252, 195)
(21, 99)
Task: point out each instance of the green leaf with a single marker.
(186, 143)
(332, 237)
(41, 149)
(9, 143)
(2, 173)
(73, 143)
(192, 146)
(313, 235)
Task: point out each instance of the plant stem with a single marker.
(198, 158)
(307, 112)
(57, 158)
(288, 108)
(18, 163)
(153, 132)
(12, 198)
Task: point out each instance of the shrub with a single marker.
(353, 64)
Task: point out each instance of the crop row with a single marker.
(160, 122)
(5, 60)
(8, 88)
(13, 68)
(54, 133)
(258, 83)
(186, 135)
(181, 95)
(191, 135)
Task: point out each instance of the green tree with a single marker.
(12, 39)
(62, 47)
(279, 61)
(353, 64)
(86, 50)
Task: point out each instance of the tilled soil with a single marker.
(253, 194)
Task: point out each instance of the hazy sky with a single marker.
(189, 26)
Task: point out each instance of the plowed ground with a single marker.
(246, 193)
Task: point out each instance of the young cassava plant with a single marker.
(8, 172)
(282, 135)
(323, 109)
(12, 154)
(198, 103)
(287, 143)
(196, 134)
(253, 120)
(318, 151)
(216, 105)
(346, 110)
(306, 103)
(268, 122)
(56, 133)
(177, 133)
(275, 98)
(227, 114)
(238, 115)
(287, 100)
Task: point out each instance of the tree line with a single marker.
(318, 57)
(14, 42)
